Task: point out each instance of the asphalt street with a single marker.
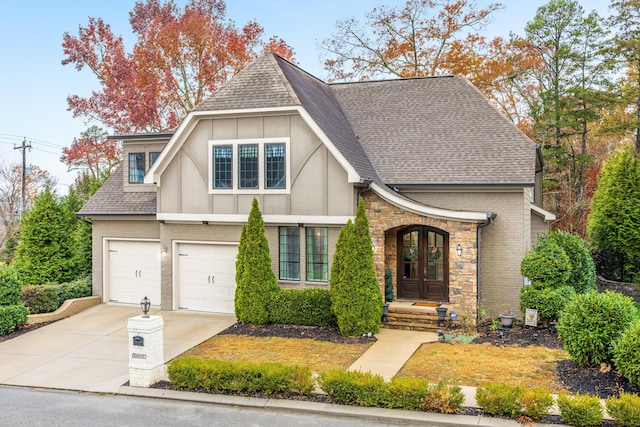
(52, 408)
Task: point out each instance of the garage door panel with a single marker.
(134, 271)
(206, 277)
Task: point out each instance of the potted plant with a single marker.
(506, 318)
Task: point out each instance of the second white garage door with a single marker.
(206, 276)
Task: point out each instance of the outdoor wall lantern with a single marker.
(144, 305)
(459, 250)
(163, 250)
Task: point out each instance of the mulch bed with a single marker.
(330, 334)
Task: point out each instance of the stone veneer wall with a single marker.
(386, 219)
(629, 289)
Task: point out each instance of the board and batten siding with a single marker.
(318, 183)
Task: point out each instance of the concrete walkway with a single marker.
(392, 350)
(89, 351)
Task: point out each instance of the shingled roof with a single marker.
(110, 199)
(419, 131)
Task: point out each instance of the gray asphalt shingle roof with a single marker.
(429, 131)
(110, 199)
(421, 131)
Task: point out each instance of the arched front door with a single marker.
(423, 264)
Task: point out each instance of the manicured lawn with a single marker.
(460, 364)
(477, 364)
(320, 356)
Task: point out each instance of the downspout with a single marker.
(490, 216)
(367, 188)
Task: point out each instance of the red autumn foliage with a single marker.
(180, 57)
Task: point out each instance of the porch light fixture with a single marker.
(459, 250)
(163, 250)
(144, 305)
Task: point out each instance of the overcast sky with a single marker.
(34, 85)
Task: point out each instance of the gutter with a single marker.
(490, 216)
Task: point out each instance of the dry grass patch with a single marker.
(319, 356)
(477, 364)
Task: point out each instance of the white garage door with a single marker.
(134, 271)
(206, 276)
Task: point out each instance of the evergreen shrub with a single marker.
(499, 399)
(580, 410)
(355, 296)
(405, 393)
(626, 353)
(353, 387)
(256, 284)
(220, 376)
(444, 399)
(547, 265)
(535, 402)
(10, 286)
(311, 307)
(549, 302)
(12, 316)
(625, 409)
(40, 298)
(592, 322)
(78, 288)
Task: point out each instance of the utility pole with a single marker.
(23, 149)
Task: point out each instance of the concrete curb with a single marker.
(391, 415)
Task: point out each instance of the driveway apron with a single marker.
(90, 351)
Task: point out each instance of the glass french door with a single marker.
(423, 265)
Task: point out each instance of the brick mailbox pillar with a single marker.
(146, 362)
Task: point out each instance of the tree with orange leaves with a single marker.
(435, 37)
(180, 57)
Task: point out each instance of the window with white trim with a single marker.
(249, 166)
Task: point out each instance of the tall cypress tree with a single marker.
(256, 283)
(44, 251)
(355, 294)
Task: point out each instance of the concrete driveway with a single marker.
(89, 351)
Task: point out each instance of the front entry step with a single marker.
(406, 316)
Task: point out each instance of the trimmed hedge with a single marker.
(40, 298)
(311, 307)
(580, 410)
(625, 410)
(499, 399)
(48, 297)
(220, 376)
(409, 393)
(78, 288)
(12, 316)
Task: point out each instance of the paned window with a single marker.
(153, 156)
(248, 166)
(289, 253)
(274, 166)
(317, 254)
(136, 168)
(222, 166)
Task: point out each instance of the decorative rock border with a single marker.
(68, 308)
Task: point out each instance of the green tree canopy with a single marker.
(614, 222)
(44, 253)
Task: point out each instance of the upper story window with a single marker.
(153, 156)
(136, 168)
(249, 166)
